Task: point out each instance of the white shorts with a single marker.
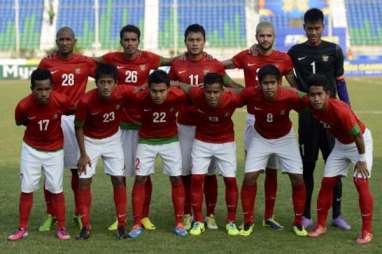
(249, 132)
(169, 153)
(71, 149)
(186, 135)
(129, 143)
(110, 150)
(285, 150)
(223, 155)
(343, 155)
(35, 162)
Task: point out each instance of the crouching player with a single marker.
(353, 144)
(158, 136)
(98, 135)
(273, 136)
(42, 150)
(214, 140)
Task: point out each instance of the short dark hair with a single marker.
(195, 28)
(213, 78)
(40, 74)
(317, 80)
(130, 29)
(268, 69)
(313, 15)
(106, 69)
(159, 76)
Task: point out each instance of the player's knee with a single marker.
(117, 180)
(251, 178)
(175, 179)
(85, 183)
(140, 179)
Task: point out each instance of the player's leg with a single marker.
(144, 166)
(186, 134)
(30, 171)
(120, 201)
(211, 195)
(298, 197)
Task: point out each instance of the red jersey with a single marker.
(214, 125)
(192, 72)
(43, 122)
(133, 72)
(101, 117)
(338, 117)
(158, 120)
(69, 76)
(251, 64)
(272, 117)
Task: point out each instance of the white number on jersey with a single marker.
(313, 64)
(43, 124)
(194, 79)
(159, 117)
(131, 77)
(67, 79)
(108, 117)
(269, 118)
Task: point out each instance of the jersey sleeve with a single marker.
(194, 94)
(339, 65)
(238, 100)
(92, 65)
(68, 107)
(154, 60)
(349, 122)
(81, 112)
(296, 100)
(20, 115)
(237, 60)
(172, 74)
(43, 64)
(108, 57)
(288, 64)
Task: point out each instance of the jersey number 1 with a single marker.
(313, 64)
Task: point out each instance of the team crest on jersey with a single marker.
(77, 70)
(226, 114)
(172, 109)
(142, 67)
(326, 125)
(55, 116)
(282, 112)
(117, 107)
(325, 58)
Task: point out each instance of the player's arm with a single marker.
(184, 86)
(340, 80)
(291, 79)
(20, 117)
(98, 59)
(361, 166)
(229, 82)
(228, 64)
(84, 159)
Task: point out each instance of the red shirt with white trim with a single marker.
(100, 117)
(251, 64)
(192, 72)
(272, 117)
(69, 76)
(43, 122)
(214, 125)
(132, 72)
(340, 120)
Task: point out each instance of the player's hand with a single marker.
(140, 88)
(361, 168)
(174, 83)
(254, 50)
(83, 162)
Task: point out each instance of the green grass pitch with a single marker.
(365, 96)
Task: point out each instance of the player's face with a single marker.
(265, 38)
(130, 43)
(269, 85)
(42, 90)
(212, 94)
(105, 85)
(318, 97)
(158, 92)
(65, 43)
(195, 43)
(313, 31)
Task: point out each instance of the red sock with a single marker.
(149, 189)
(270, 190)
(120, 198)
(177, 193)
(138, 201)
(248, 196)
(187, 192)
(231, 197)
(48, 202)
(298, 196)
(58, 201)
(25, 206)
(85, 200)
(75, 186)
(366, 203)
(197, 196)
(324, 201)
(211, 193)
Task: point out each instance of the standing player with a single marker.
(70, 74)
(133, 66)
(191, 70)
(158, 136)
(251, 61)
(353, 144)
(310, 57)
(214, 140)
(97, 130)
(41, 150)
(273, 135)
